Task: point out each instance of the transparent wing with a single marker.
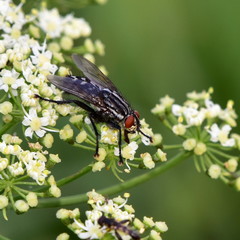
(93, 73)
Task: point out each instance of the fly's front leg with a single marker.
(116, 126)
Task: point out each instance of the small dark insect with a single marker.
(100, 98)
(112, 224)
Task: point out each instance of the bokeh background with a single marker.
(154, 48)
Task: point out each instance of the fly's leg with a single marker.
(91, 117)
(79, 103)
(120, 146)
(118, 235)
(92, 114)
(116, 126)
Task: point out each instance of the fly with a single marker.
(100, 98)
(112, 224)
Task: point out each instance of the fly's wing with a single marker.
(93, 73)
(78, 87)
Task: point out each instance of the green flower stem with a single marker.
(215, 159)
(167, 147)
(26, 183)
(68, 179)
(167, 124)
(217, 145)
(74, 176)
(83, 147)
(76, 199)
(7, 126)
(221, 153)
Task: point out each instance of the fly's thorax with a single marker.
(115, 105)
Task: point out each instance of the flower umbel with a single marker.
(205, 128)
(109, 216)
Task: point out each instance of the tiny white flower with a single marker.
(221, 135)
(36, 124)
(91, 230)
(9, 79)
(50, 22)
(37, 170)
(128, 152)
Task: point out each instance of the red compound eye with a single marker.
(137, 114)
(129, 121)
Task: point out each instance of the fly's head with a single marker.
(132, 124)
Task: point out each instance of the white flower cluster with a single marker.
(110, 216)
(17, 161)
(206, 129)
(30, 49)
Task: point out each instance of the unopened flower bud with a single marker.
(66, 133)
(6, 107)
(231, 165)
(147, 160)
(98, 166)
(48, 140)
(101, 154)
(189, 144)
(154, 235)
(63, 236)
(32, 199)
(55, 191)
(200, 148)
(3, 201)
(148, 221)
(81, 137)
(214, 171)
(62, 213)
(21, 206)
(161, 226)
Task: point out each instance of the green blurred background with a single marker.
(154, 48)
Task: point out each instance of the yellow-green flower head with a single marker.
(109, 135)
(214, 171)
